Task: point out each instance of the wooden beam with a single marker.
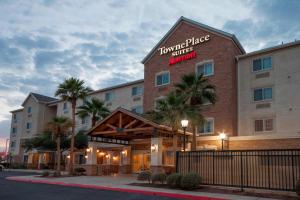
(124, 131)
(131, 123)
(111, 126)
(120, 120)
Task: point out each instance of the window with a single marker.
(137, 109)
(29, 109)
(261, 125)
(14, 130)
(65, 107)
(108, 96)
(137, 90)
(262, 94)
(28, 125)
(84, 120)
(15, 116)
(162, 78)
(206, 68)
(262, 64)
(13, 144)
(207, 127)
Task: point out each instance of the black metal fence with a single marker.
(265, 169)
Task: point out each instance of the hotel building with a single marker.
(258, 104)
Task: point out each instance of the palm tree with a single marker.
(171, 110)
(196, 90)
(95, 108)
(59, 126)
(71, 90)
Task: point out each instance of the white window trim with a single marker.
(264, 131)
(262, 70)
(160, 73)
(213, 128)
(264, 100)
(204, 62)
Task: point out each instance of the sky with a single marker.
(42, 42)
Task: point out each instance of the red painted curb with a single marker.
(165, 194)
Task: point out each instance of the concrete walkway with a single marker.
(120, 183)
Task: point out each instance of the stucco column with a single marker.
(92, 154)
(156, 154)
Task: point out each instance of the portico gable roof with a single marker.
(125, 125)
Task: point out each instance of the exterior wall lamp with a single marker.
(184, 125)
(222, 138)
(124, 152)
(88, 150)
(153, 148)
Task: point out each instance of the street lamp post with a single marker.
(222, 137)
(184, 124)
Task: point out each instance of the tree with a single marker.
(59, 127)
(71, 90)
(171, 110)
(196, 91)
(95, 108)
(42, 141)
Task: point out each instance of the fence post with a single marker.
(177, 161)
(213, 168)
(242, 172)
(269, 178)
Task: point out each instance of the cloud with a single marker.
(44, 42)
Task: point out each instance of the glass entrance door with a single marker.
(140, 161)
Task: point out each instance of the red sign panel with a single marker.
(178, 59)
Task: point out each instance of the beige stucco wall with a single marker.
(122, 98)
(16, 137)
(285, 105)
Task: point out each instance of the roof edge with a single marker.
(204, 26)
(268, 49)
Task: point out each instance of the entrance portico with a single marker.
(126, 142)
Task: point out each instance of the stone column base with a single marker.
(157, 169)
(125, 169)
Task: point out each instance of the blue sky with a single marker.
(103, 42)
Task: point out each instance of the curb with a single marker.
(135, 191)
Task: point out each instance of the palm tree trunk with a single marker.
(72, 138)
(58, 154)
(93, 120)
(194, 141)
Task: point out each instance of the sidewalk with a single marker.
(120, 183)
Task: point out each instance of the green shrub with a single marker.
(79, 171)
(190, 181)
(159, 177)
(298, 187)
(174, 180)
(44, 174)
(144, 176)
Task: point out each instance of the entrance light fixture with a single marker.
(88, 150)
(153, 148)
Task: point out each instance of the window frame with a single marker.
(262, 88)
(161, 73)
(138, 94)
(112, 96)
(261, 61)
(213, 127)
(28, 125)
(203, 63)
(264, 119)
(29, 110)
